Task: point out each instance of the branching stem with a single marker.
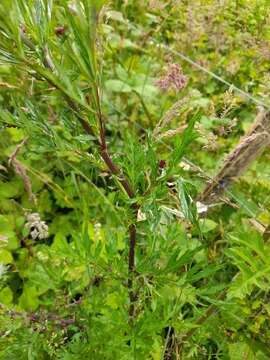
(114, 168)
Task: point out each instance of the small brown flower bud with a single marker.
(162, 164)
(60, 30)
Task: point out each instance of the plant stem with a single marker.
(131, 269)
(206, 315)
(130, 192)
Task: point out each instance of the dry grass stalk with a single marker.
(6, 85)
(171, 133)
(249, 148)
(172, 113)
(17, 150)
(20, 170)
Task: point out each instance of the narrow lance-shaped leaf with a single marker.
(182, 142)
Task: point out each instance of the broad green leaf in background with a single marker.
(117, 86)
(6, 296)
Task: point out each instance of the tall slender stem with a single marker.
(114, 168)
(131, 269)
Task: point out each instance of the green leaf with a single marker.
(240, 351)
(8, 190)
(117, 86)
(187, 204)
(6, 296)
(115, 15)
(112, 300)
(182, 142)
(16, 134)
(5, 257)
(207, 225)
(29, 298)
(148, 91)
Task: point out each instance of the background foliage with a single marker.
(201, 281)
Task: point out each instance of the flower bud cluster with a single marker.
(173, 79)
(38, 229)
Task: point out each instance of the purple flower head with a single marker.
(173, 79)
